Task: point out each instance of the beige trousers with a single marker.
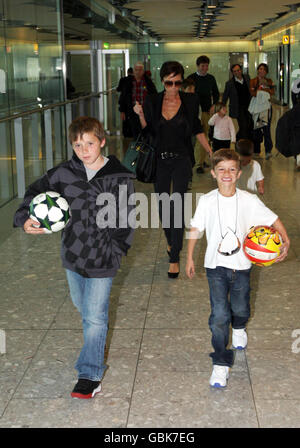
(199, 151)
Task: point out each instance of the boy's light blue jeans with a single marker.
(230, 304)
(91, 298)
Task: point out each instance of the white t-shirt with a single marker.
(223, 127)
(251, 174)
(250, 211)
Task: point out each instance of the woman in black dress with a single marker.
(171, 117)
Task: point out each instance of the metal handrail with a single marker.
(53, 106)
(46, 111)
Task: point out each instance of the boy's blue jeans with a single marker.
(91, 298)
(229, 298)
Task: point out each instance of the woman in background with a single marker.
(262, 83)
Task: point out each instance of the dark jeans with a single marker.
(219, 144)
(230, 304)
(175, 173)
(261, 134)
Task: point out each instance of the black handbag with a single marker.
(140, 159)
(146, 161)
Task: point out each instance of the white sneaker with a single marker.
(219, 376)
(239, 338)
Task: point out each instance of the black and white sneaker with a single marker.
(86, 388)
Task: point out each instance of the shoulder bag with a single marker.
(140, 159)
(130, 157)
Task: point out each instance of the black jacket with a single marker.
(125, 100)
(231, 93)
(88, 248)
(207, 90)
(288, 132)
(152, 111)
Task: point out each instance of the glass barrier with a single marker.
(35, 141)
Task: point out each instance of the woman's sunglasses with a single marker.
(173, 83)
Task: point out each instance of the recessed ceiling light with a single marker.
(212, 3)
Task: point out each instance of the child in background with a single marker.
(188, 85)
(252, 178)
(224, 132)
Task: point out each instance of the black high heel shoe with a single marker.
(173, 274)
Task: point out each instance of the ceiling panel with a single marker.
(168, 20)
(176, 19)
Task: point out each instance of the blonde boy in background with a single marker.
(252, 178)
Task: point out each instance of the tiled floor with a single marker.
(159, 341)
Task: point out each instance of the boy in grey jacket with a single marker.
(92, 246)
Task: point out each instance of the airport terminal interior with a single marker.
(60, 59)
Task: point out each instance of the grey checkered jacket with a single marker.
(88, 247)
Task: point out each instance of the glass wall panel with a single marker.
(30, 77)
(34, 53)
(34, 151)
(6, 153)
(79, 73)
(7, 164)
(114, 69)
(154, 54)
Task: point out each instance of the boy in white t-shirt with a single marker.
(226, 215)
(252, 178)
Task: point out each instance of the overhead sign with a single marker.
(286, 39)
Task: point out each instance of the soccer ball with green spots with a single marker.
(51, 210)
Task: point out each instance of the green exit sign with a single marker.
(106, 45)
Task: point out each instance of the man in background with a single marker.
(135, 89)
(208, 93)
(126, 129)
(238, 93)
(123, 80)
